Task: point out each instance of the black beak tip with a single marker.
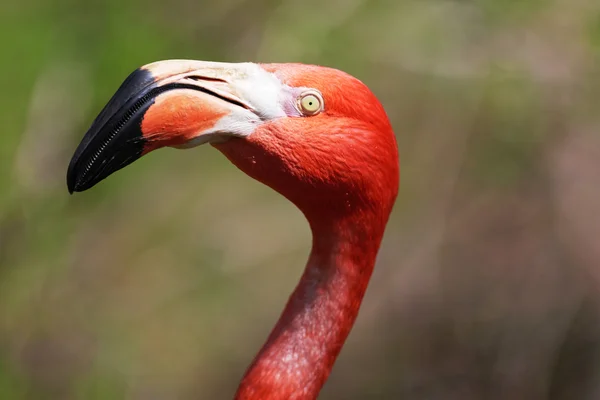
(115, 138)
(71, 178)
(76, 180)
(71, 185)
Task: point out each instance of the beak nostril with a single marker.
(205, 78)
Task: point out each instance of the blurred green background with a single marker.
(163, 281)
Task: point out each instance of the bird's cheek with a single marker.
(176, 117)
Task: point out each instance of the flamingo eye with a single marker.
(310, 103)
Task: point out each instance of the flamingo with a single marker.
(316, 135)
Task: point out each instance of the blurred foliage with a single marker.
(163, 281)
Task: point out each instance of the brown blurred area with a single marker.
(163, 281)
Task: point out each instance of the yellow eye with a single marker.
(311, 103)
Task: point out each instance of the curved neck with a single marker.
(298, 356)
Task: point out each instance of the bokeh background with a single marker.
(163, 281)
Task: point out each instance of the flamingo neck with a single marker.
(300, 352)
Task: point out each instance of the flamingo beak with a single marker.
(176, 103)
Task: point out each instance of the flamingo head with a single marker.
(317, 135)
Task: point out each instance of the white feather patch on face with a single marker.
(262, 90)
(265, 92)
